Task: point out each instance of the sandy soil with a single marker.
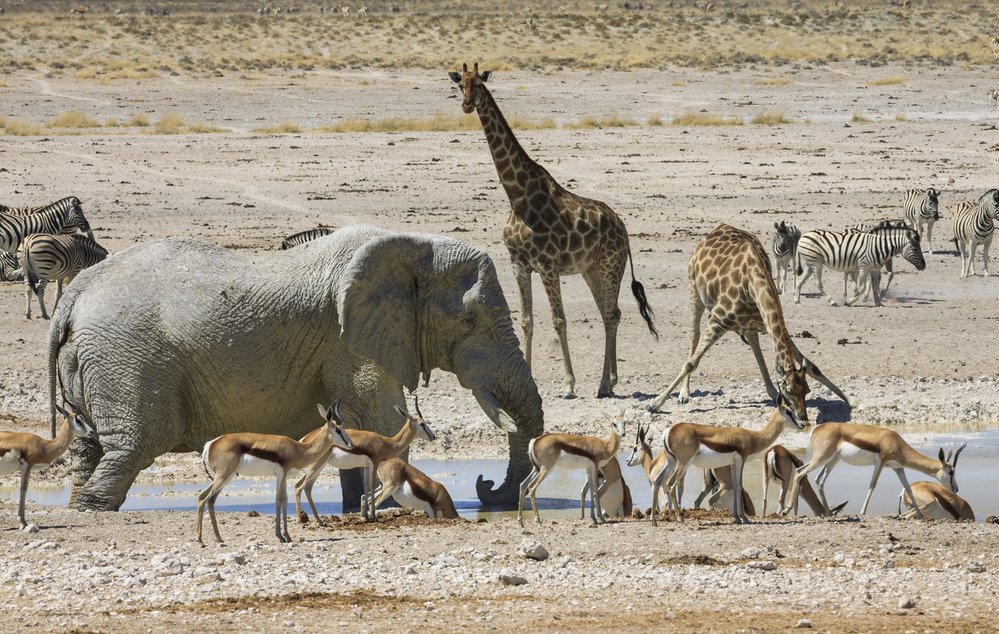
(923, 362)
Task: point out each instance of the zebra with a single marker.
(10, 271)
(784, 244)
(47, 258)
(863, 253)
(305, 236)
(922, 207)
(866, 227)
(43, 219)
(973, 225)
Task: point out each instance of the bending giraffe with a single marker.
(553, 232)
(729, 274)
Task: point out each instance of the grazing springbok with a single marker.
(569, 451)
(641, 454)
(248, 453)
(21, 451)
(863, 445)
(935, 502)
(780, 464)
(368, 451)
(711, 447)
(413, 489)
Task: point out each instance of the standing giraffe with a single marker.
(730, 275)
(554, 232)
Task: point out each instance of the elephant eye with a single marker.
(468, 324)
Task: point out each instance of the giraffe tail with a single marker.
(643, 301)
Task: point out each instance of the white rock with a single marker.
(752, 553)
(905, 603)
(803, 623)
(976, 566)
(762, 565)
(532, 549)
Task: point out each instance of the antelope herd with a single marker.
(554, 233)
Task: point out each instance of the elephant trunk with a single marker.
(518, 395)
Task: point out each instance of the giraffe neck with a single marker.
(515, 168)
(768, 303)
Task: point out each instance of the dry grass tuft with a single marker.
(860, 117)
(15, 127)
(73, 119)
(285, 127)
(893, 80)
(655, 120)
(438, 123)
(615, 120)
(138, 121)
(773, 81)
(901, 118)
(704, 118)
(173, 123)
(774, 117)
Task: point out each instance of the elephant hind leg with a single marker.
(85, 455)
(107, 487)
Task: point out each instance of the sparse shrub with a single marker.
(138, 121)
(73, 119)
(860, 117)
(285, 127)
(173, 123)
(887, 81)
(774, 117)
(615, 120)
(704, 118)
(14, 127)
(773, 81)
(655, 120)
(901, 118)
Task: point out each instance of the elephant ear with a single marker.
(378, 303)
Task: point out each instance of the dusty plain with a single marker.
(863, 127)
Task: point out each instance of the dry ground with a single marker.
(925, 362)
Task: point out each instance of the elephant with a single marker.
(171, 343)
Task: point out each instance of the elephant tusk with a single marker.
(494, 410)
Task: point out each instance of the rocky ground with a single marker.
(924, 362)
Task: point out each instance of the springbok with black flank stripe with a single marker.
(367, 452)
(247, 453)
(712, 447)
(569, 451)
(20, 451)
(863, 445)
(641, 454)
(935, 502)
(780, 464)
(411, 488)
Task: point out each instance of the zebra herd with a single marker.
(49, 243)
(861, 251)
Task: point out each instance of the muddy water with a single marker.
(559, 494)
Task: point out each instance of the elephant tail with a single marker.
(643, 302)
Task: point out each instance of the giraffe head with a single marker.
(470, 82)
(792, 390)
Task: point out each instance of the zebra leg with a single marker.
(799, 280)
(818, 282)
(972, 247)
(985, 257)
(890, 268)
(929, 236)
(861, 281)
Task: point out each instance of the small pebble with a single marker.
(976, 566)
(803, 623)
(905, 603)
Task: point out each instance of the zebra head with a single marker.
(784, 239)
(471, 84)
(792, 388)
(913, 251)
(932, 203)
(75, 216)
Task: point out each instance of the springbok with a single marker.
(248, 453)
(569, 451)
(718, 483)
(862, 445)
(614, 494)
(780, 464)
(367, 452)
(641, 454)
(711, 447)
(411, 488)
(935, 502)
(21, 451)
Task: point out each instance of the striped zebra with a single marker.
(922, 207)
(862, 253)
(10, 271)
(53, 258)
(784, 244)
(974, 224)
(305, 236)
(52, 219)
(867, 227)
(62, 202)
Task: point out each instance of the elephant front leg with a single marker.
(352, 487)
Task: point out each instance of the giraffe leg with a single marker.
(526, 309)
(552, 283)
(605, 292)
(712, 334)
(696, 312)
(753, 339)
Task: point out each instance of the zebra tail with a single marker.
(30, 277)
(644, 309)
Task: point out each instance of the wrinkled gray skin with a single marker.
(169, 344)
